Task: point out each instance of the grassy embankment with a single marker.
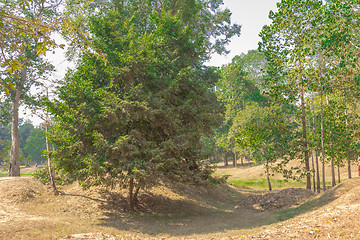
(252, 178)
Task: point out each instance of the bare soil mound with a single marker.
(22, 189)
(333, 215)
(285, 198)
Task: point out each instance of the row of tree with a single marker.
(299, 99)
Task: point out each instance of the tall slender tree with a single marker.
(28, 30)
(285, 43)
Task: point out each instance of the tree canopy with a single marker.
(137, 116)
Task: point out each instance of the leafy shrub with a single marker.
(60, 178)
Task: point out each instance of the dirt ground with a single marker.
(286, 198)
(334, 215)
(28, 210)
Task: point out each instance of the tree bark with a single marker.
(317, 172)
(333, 181)
(268, 175)
(226, 163)
(348, 152)
(306, 153)
(338, 167)
(51, 175)
(322, 138)
(312, 161)
(131, 201)
(349, 167)
(136, 194)
(313, 170)
(235, 159)
(316, 153)
(14, 166)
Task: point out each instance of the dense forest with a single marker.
(142, 106)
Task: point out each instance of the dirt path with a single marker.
(5, 178)
(336, 219)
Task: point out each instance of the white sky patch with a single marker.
(61, 65)
(252, 15)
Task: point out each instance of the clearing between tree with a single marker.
(28, 210)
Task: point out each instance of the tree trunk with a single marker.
(217, 154)
(333, 181)
(349, 167)
(313, 170)
(316, 153)
(226, 163)
(348, 152)
(317, 172)
(268, 176)
(242, 160)
(131, 201)
(312, 161)
(306, 153)
(14, 167)
(235, 159)
(322, 139)
(136, 194)
(338, 167)
(51, 175)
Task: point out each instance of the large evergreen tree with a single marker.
(135, 108)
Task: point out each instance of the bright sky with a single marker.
(251, 14)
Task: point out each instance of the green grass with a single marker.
(22, 174)
(262, 183)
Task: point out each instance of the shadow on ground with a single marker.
(161, 215)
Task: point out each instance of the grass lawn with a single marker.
(22, 174)
(259, 183)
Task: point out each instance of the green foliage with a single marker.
(270, 131)
(60, 178)
(311, 49)
(31, 146)
(138, 115)
(42, 175)
(35, 146)
(22, 28)
(239, 85)
(25, 131)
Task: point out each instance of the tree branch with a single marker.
(354, 45)
(2, 51)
